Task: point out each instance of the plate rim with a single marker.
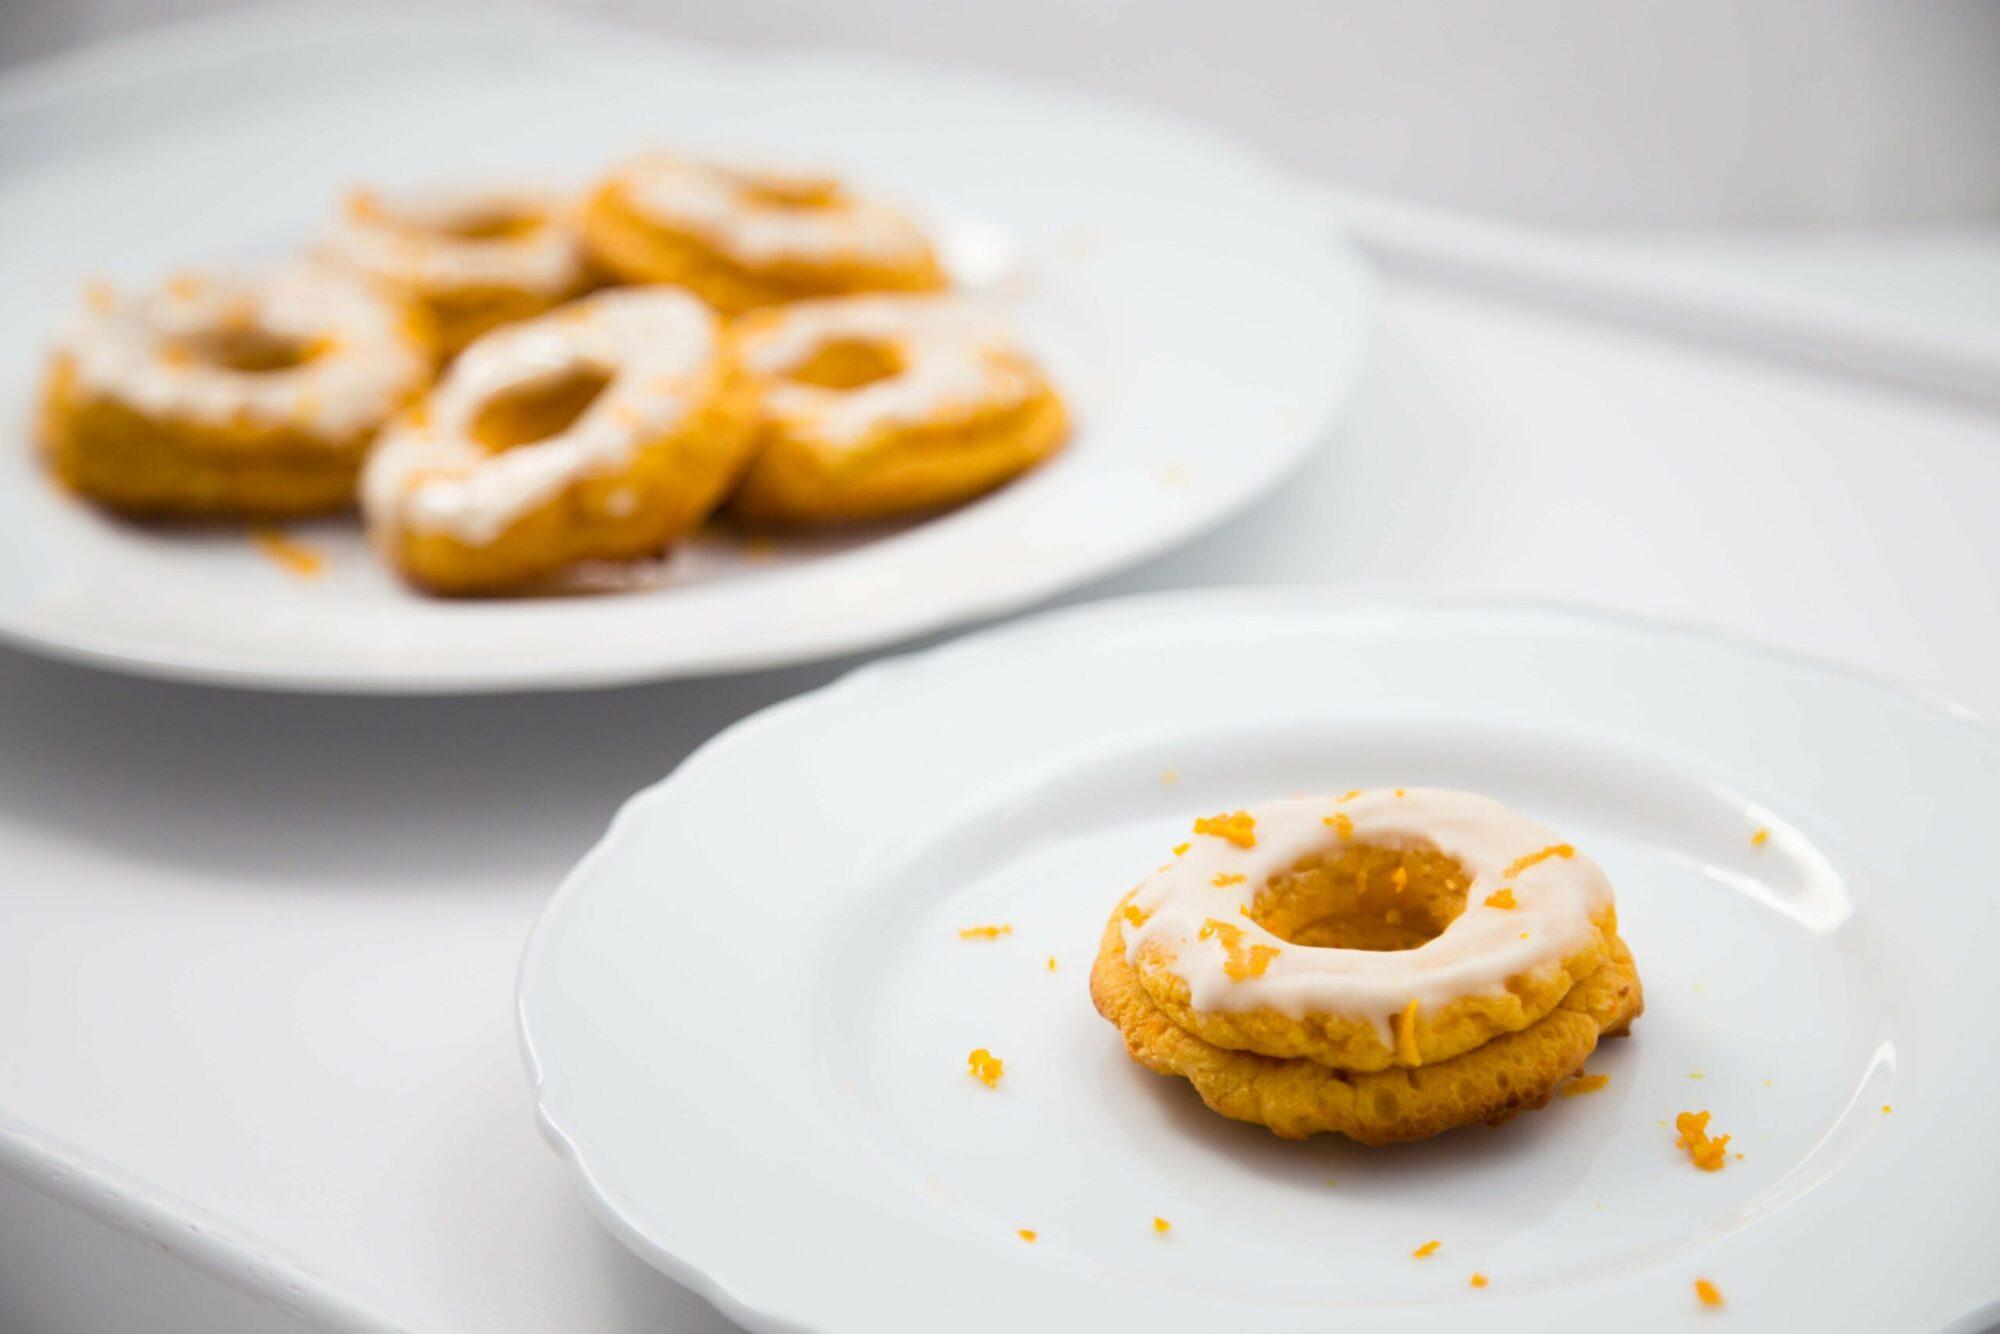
(1314, 600)
(43, 85)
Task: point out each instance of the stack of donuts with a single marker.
(1384, 965)
(514, 384)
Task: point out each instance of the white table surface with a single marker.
(258, 951)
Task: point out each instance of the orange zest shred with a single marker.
(1027, 1234)
(985, 1066)
(1707, 1293)
(1406, 1035)
(1426, 1251)
(1223, 880)
(1710, 1155)
(1477, 1280)
(993, 932)
(1134, 914)
(1520, 864)
(1052, 963)
(1399, 880)
(1502, 897)
(1239, 828)
(1349, 796)
(1162, 1225)
(1583, 1084)
(1341, 823)
(293, 557)
(1180, 848)
(1760, 838)
(1240, 963)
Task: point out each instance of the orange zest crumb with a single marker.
(985, 1066)
(1520, 864)
(292, 557)
(1477, 1280)
(1399, 791)
(1341, 823)
(1399, 880)
(1406, 1035)
(1886, 1109)
(1162, 1225)
(1223, 880)
(1710, 1155)
(986, 932)
(1583, 1084)
(1180, 848)
(1239, 828)
(1239, 963)
(1134, 914)
(1027, 1234)
(1502, 897)
(1426, 1251)
(1760, 838)
(1524, 935)
(1707, 1293)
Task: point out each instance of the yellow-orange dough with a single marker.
(1296, 1097)
(742, 237)
(872, 407)
(225, 396)
(602, 431)
(1359, 964)
(471, 258)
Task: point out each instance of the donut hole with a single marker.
(1362, 897)
(848, 363)
(772, 192)
(248, 347)
(524, 414)
(498, 223)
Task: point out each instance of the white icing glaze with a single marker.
(1474, 955)
(657, 345)
(366, 364)
(954, 360)
(721, 204)
(409, 239)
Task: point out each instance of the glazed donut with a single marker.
(473, 259)
(1386, 966)
(741, 237)
(602, 431)
(218, 395)
(882, 405)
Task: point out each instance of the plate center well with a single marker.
(1752, 955)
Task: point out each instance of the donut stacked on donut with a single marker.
(472, 258)
(602, 431)
(874, 406)
(742, 237)
(1386, 966)
(229, 393)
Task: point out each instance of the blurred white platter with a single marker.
(1191, 301)
(747, 1012)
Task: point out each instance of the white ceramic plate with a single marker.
(1190, 300)
(747, 1013)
